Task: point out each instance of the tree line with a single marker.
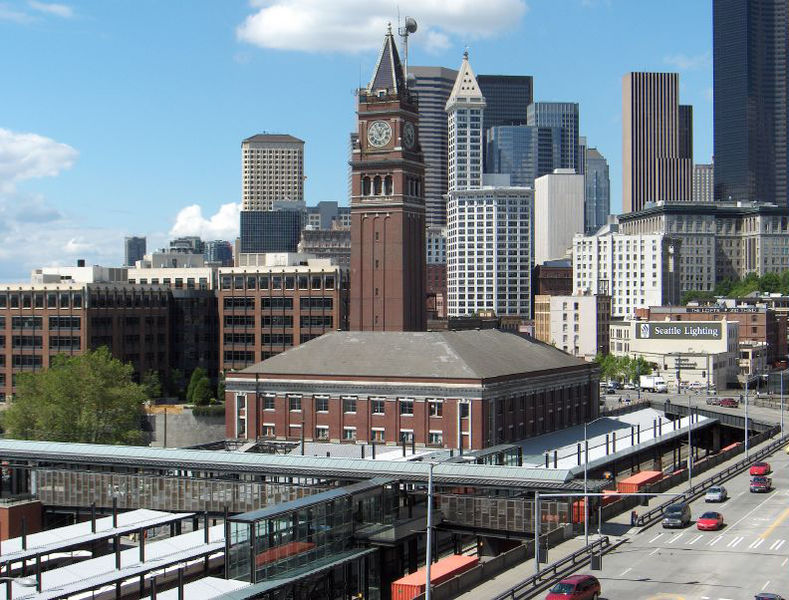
(622, 368)
(769, 283)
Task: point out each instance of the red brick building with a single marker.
(437, 291)
(38, 321)
(387, 204)
(439, 389)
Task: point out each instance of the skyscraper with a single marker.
(432, 86)
(277, 230)
(465, 108)
(387, 206)
(524, 152)
(272, 167)
(134, 250)
(508, 97)
(219, 251)
(655, 141)
(563, 115)
(751, 88)
(598, 190)
(703, 183)
(558, 214)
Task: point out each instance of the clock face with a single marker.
(379, 134)
(409, 135)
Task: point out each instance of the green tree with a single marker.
(220, 388)
(152, 384)
(87, 398)
(697, 296)
(197, 375)
(636, 367)
(201, 394)
(770, 283)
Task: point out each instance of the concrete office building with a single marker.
(455, 389)
(134, 250)
(165, 259)
(219, 252)
(272, 167)
(750, 100)
(721, 240)
(191, 244)
(578, 325)
(563, 115)
(489, 254)
(79, 274)
(524, 152)
(288, 300)
(703, 183)
(657, 159)
(637, 271)
(333, 244)
(597, 200)
(433, 86)
(328, 215)
(558, 214)
(687, 353)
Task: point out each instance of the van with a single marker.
(676, 515)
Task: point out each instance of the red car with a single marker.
(760, 468)
(710, 521)
(577, 587)
(729, 402)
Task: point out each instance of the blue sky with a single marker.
(122, 118)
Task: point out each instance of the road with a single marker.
(749, 555)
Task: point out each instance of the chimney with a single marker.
(80, 262)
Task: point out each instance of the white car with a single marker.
(716, 493)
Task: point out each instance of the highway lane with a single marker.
(749, 555)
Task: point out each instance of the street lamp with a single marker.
(23, 581)
(586, 480)
(690, 445)
(429, 543)
(782, 402)
(747, 376)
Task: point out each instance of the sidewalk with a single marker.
(615, 527)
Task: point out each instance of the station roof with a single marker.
(206, 588)
(469, 354)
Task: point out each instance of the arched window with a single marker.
(365, 186)
(377, 186)
(388, 185)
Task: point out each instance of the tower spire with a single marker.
(388, 74)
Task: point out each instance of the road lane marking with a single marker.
(786, 560)
(654, 538)
(775, 524)
(777, 545)
(653, 552)
(765, 585)
(675, 538)
(749, 513)
(734, 542)
(715, 541)
(695, 539)
(756, 544)
(623, 573)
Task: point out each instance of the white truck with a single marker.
(653, 383)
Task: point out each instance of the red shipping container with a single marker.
(634, 483)
(410, 586)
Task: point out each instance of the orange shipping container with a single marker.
(410, 586)
(634, 483)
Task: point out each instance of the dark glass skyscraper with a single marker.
(133, 250)
(270, 230)
(597, 200)
(565, 116)
(750, 39)
(523, 152)
(507, 98)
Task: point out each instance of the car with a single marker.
(729, 402)
(577, 587)
(761, 484)
(629, 386)
(760, 468)
(767, 596)
(713, 401)
(716, 493)
(696, 385)
(709, 521)
(676, 515)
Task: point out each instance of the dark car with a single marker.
(767, 596)
(761, 484)
(676, 515)
(577, 587)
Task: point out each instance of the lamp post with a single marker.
(429, 543)
(586, 480)
(782, 403)
(690, 445)
(747, 376)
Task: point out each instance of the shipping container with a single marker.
(635, 483)
(411, 586)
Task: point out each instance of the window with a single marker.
(267, 430)
(463, 410)
(268, 401)
(294, 402)
(321, 404)
(321, 432)
(377, 434)
(377, 406)
(407, 407)
(436, 408)
(435, 438)
(349, 433)
(406, 435)
(349, 404)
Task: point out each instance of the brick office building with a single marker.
(267, 309)
(439, 389)
(39, 321)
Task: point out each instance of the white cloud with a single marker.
(223, 225)
(683, 62)
(59, 10)
(8, 13)
(29, 155)
(353, 26)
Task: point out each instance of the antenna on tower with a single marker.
(404, 32)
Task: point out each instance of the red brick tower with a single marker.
(387, 205)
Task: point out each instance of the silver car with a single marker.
(716, 494)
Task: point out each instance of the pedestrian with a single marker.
(633, 518)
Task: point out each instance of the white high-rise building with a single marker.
(558, 213)
(489, 238)
(272, 169)
(637, 271)
(464, 131)
(703, 183)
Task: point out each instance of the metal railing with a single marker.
(651, 516)
(539, 581)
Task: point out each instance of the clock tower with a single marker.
(387, 204)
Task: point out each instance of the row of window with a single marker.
(41, 300)
(277, 282)
(349, 404)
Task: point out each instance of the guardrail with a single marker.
(537, 582)
(649, 517)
